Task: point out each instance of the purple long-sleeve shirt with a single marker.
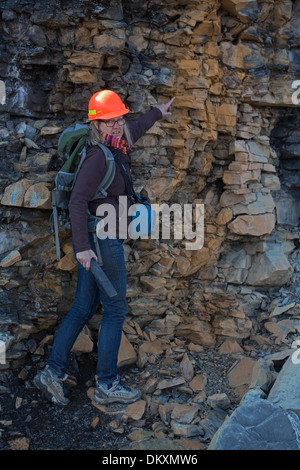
(90, 177)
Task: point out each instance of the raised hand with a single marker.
(165, 108)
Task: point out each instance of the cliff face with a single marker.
(232, 144)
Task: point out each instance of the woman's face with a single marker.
(113, 127)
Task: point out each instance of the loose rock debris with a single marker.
(188, 391)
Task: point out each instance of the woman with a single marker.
(106, 113)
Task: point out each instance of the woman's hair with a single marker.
(95, 136)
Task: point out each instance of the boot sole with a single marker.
(40, 386)
(108, 401)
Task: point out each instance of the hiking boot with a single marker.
(117, 393)
(51, 386)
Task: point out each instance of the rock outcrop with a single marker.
(258, 424)
(231, 144)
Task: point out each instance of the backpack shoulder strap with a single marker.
(110, 171)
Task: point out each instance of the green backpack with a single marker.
(72, 148)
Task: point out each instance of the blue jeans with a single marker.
(88, 295)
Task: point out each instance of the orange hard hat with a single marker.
(106, 104)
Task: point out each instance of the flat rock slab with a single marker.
(258, 425)
(286, 389)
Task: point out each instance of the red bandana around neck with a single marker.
(116, 143)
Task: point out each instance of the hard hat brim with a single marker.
(107, 116)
